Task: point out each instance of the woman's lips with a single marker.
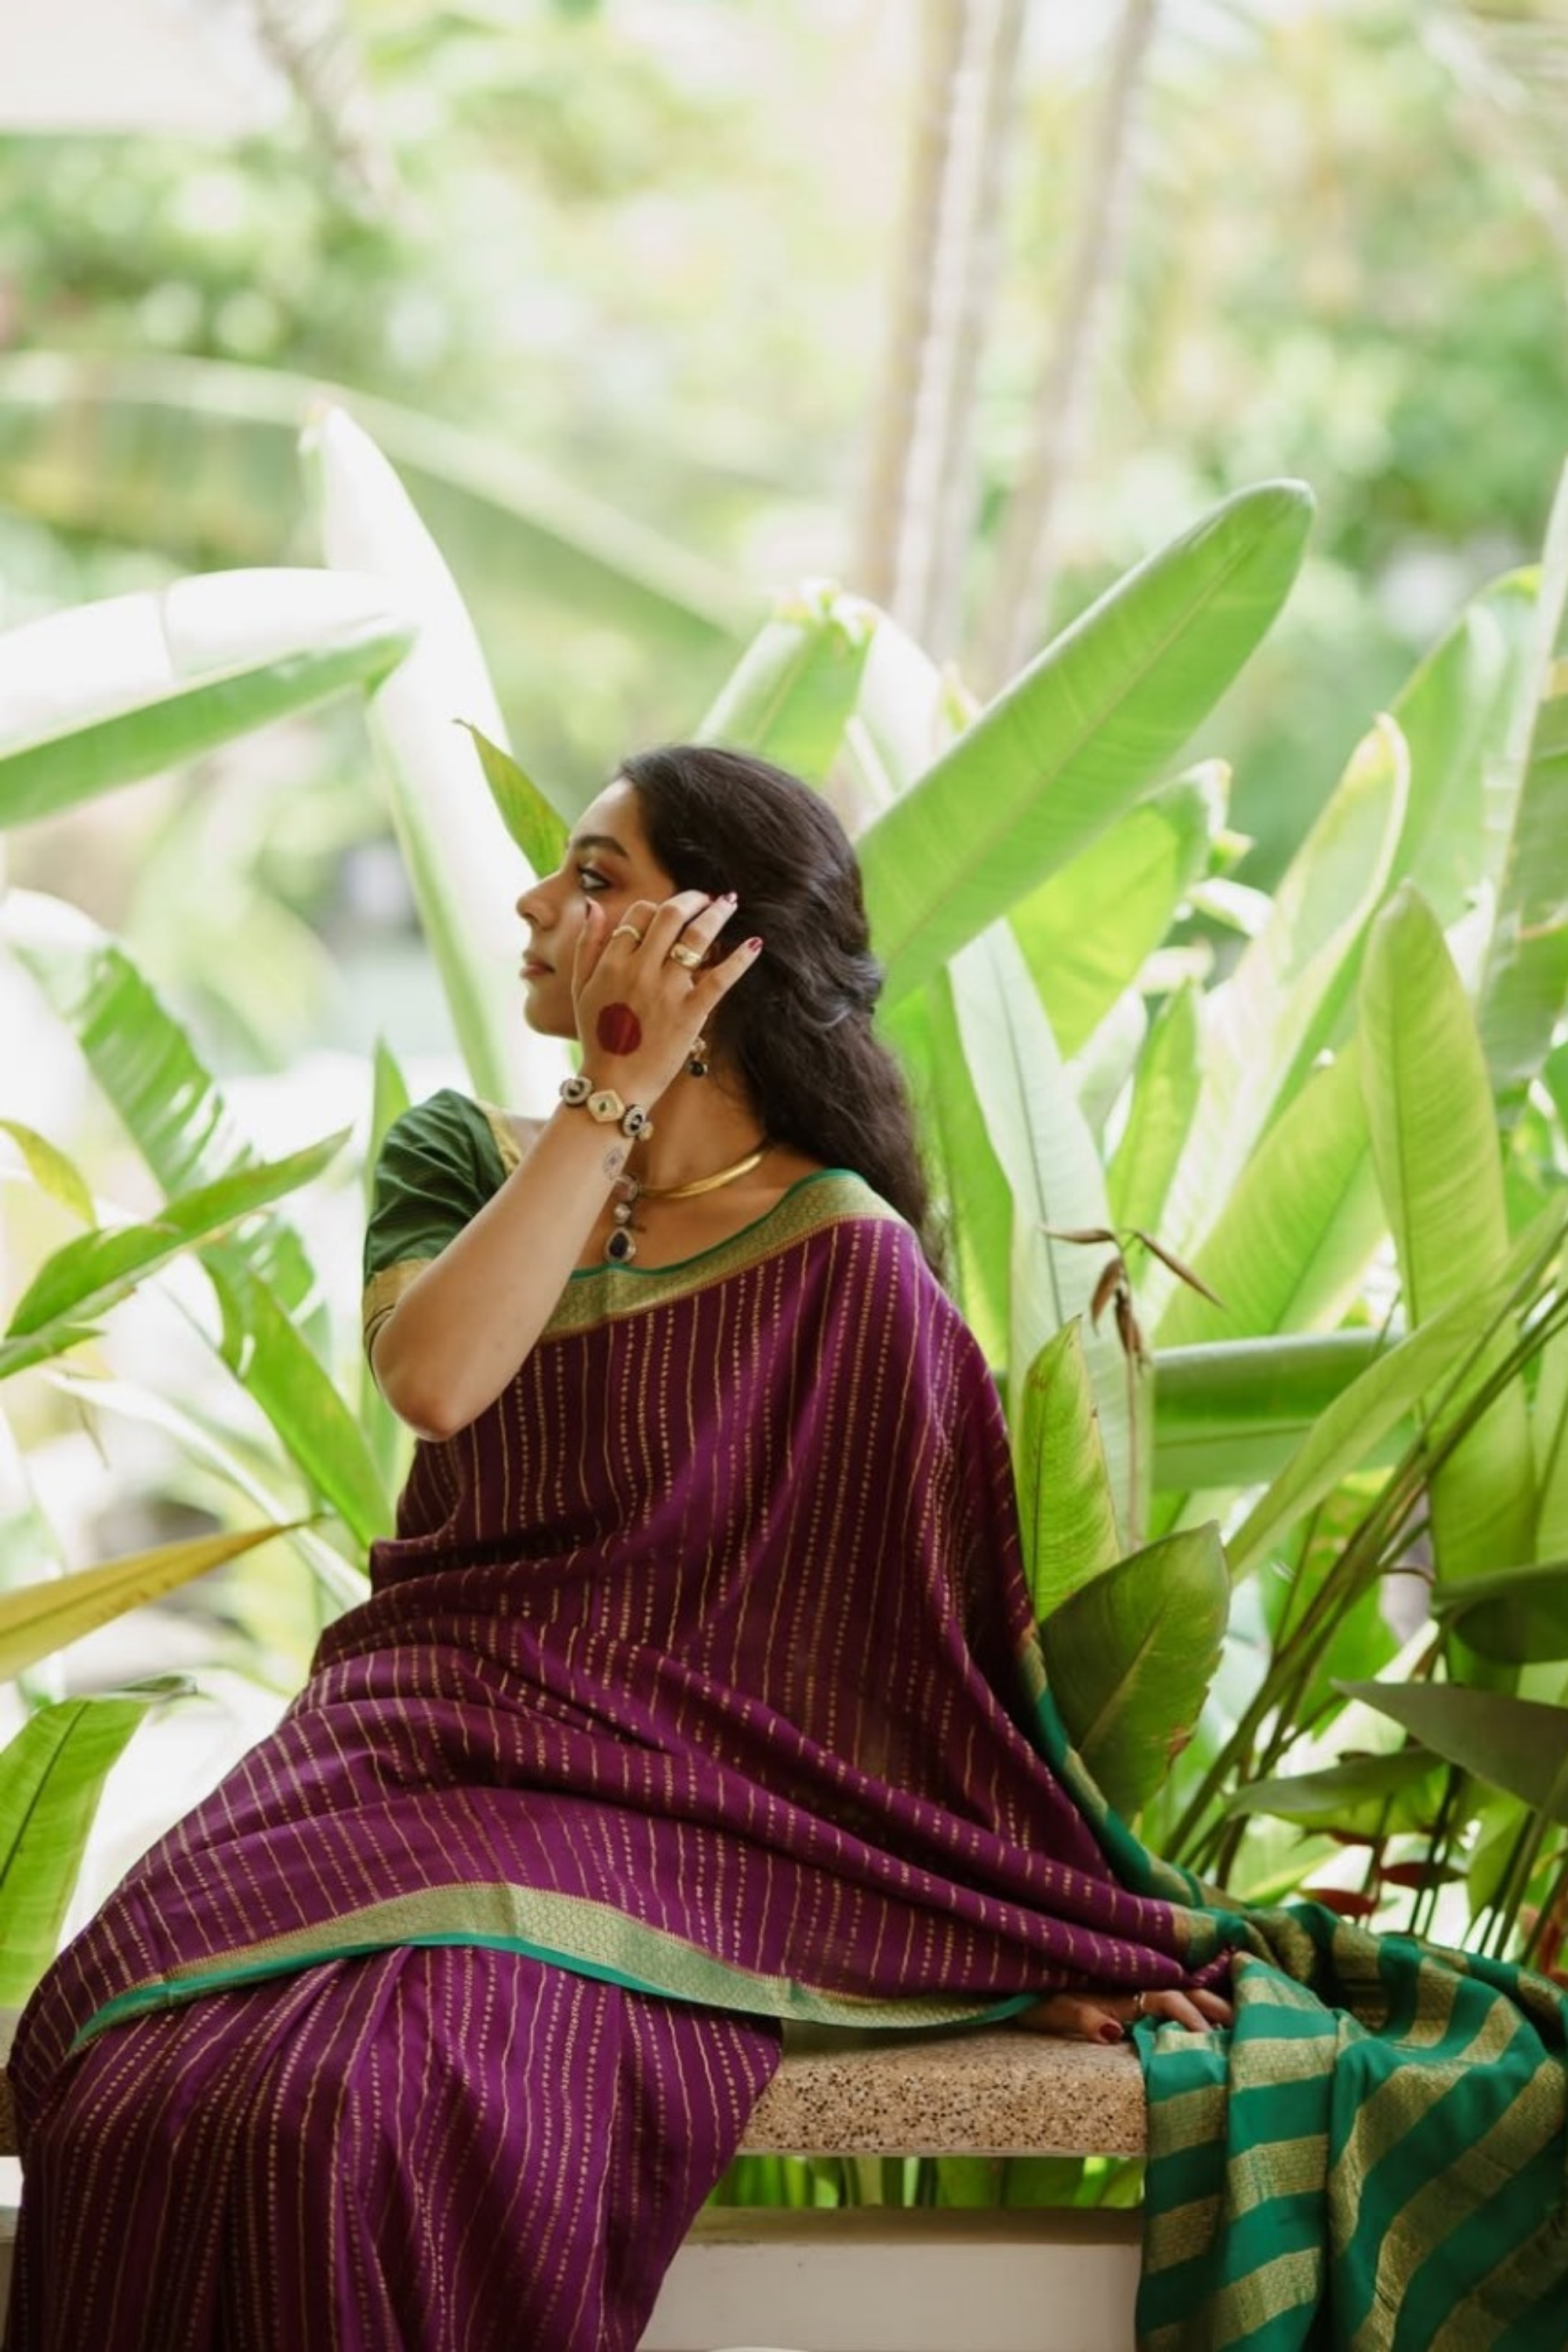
(533, 969)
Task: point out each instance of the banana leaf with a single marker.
(1458, 713)
(93, 698)
(1080, 736)
(1066, 1508)
(1087, 931)
(1164, 1097)
(199, 457)
(1053, 1172)
(51, 1776)
(908, 712)
(1455, 714)
(1231, 1415)
(93, 1272)
(143, 1058)
(309, 1416)
(1130, 1658)
(1430, 1114)
(1303, 1220)
(1524, 984)
(464, 869)
(972, 1188)
(37, 1619)
(1256, 1021)
(798, 682)
(1361, 1416)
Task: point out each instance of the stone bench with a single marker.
(869, 2280)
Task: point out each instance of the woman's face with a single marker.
(607, 858)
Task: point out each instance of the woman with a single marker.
(697, 1691)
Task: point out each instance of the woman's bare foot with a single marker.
(1105, 2016)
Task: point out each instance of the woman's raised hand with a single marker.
(644, 989)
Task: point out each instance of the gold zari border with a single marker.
(383, 1290)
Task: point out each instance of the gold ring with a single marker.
(688, 958)
(631, 932)
(1138, 2008)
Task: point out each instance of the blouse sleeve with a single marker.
(438, 1165)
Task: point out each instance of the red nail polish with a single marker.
(1111, 2031)
(754, 945)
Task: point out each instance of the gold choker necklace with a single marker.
(621, 1247)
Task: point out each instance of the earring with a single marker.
(696, 1060)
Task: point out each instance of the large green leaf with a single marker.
(1231, 1415)
(143, 1058)
(1256, 1021)
(37, 1618)
(1164, 1097)
(464, 869)
(1348, 1431)
(1067, 1510)
(1520, 1745)
(1081, 736)
(907, 714)
(973, 1189)
(1430, 1114)
(1518, 1615)
(798, 682)
(93, 698)
(1524, 984)
(1048, 1155)
(51, 1776)
(1130, 1657)
(1456, 714)
(316, 1427)
(93, 1272)
(1303, 1219)
(1087, 931)
(1361, 1795)
(195, 456)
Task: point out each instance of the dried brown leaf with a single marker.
(1184, 1272)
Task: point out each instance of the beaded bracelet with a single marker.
(605, 1105)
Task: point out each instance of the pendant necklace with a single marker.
(621, 1247)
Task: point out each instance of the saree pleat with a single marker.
(699, 1689)
(453, 2147)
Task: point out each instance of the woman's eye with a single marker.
(590, 879)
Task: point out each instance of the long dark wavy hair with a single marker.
(798, 1029)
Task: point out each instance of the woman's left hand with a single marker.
(1108, 2016)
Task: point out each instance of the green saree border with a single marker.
(828, 1196)
(568, 1931)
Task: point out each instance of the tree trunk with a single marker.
(1027, 557)
(895, 420)
(956, 499)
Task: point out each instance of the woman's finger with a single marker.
(716, 980)
(664, 927)
(1076, 2015)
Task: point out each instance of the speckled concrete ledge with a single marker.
(970, 2094)
(986, 2093)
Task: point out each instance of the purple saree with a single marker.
(696, 1691)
